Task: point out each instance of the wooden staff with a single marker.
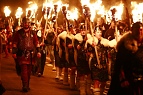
(56, 16)
(96, 52)
(87, 16)
(46, 23)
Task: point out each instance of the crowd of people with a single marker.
(87, 59)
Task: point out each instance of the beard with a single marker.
(26, 27)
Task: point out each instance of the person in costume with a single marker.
(128, 70)
(25, 42)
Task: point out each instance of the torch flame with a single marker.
(45, 6)
(73, 14)
(118, 14)
(59, 3)
(137, 11)
(7, 11)
(33, 8)
(19, 12)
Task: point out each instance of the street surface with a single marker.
(45, 85)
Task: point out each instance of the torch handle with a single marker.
(116, 31)
(96, 52)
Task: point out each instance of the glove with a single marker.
(38, 54)
(14, 56)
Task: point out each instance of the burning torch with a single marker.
(54, 19)
(87, 14)
(18, 14)
(46, 10)
(64, 11)
(7, 11)
(113, 11)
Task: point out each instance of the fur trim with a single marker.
(89, 36)
(78, 37)
(62, 35)
(90, 41)
(104, 42)
(112, 43)
(129, 42)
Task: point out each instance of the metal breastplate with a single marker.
(26, 42)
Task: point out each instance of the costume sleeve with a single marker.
(36, 42)
(15, 43)
(15, 39)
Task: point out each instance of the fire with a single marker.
(73, 14)
(85, 2)
(7, 11)
(19, 12)
(59, 4)
(47, 7)
(95, 8)
(137, 11)
(31, 11)
(118, 14)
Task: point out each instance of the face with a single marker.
(99, 21)
(98, 34)
(26, 25)
(73, 31)
(112, 24)
(138, 34)
(82, 32)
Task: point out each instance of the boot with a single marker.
(72, 82)
(82, 87)
(60, 74)
(25, 87)
(96, 91)
(57, 73)
(88, 87)
(77, 81)
(54, 66)
(65, 80)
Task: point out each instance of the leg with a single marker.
(82, 83)
(65, 80)
(72, 77)
(24, 77)
(88, 85)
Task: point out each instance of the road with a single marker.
(45, 85)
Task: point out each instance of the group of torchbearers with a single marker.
(85, 58)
